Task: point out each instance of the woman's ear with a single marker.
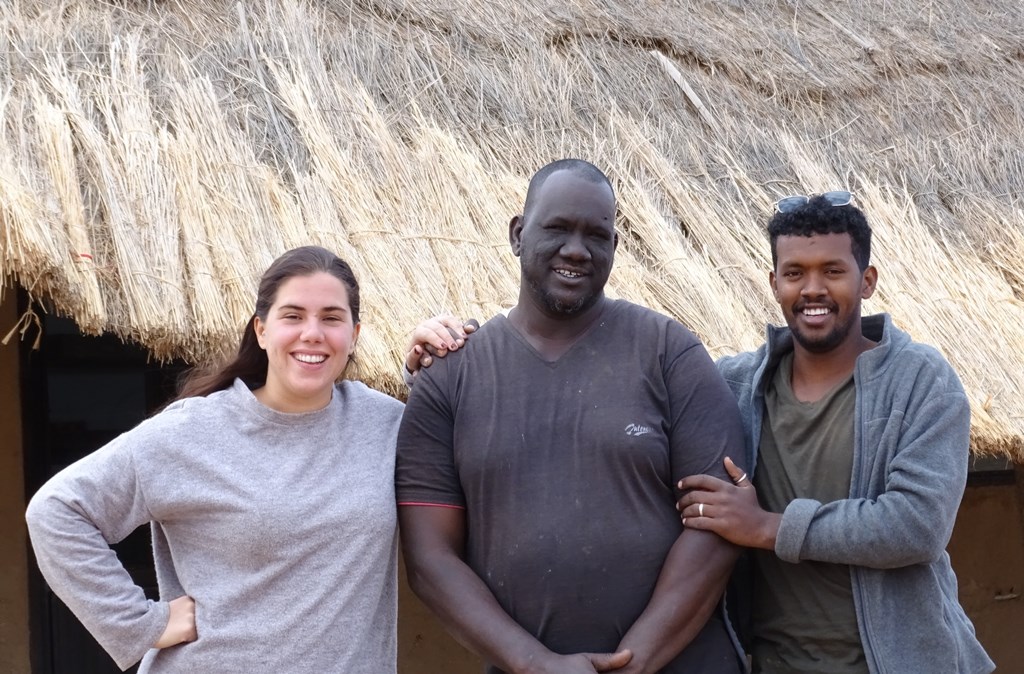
(258, 328)
(355, 339)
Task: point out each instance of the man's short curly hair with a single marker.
(818, 216)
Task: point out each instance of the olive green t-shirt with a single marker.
(804, 618)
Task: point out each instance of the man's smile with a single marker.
(569, 273)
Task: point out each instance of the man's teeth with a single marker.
(310, 359)
(568, 274)
(816, 311)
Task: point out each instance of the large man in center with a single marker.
(536, 466)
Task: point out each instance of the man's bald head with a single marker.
(577, 167)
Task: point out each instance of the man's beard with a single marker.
(558, 307)
(830, 341)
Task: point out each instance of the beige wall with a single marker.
(13, 562)
(987, 551)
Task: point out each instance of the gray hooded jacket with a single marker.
(911, 440)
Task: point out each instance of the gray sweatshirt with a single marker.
(281, 527)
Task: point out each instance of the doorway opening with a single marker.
(79, 392)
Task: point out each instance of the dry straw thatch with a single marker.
(155, 156)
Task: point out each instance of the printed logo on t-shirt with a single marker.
(638, 429)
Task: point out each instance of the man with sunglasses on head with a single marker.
(857, 443)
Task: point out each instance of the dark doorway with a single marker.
(78, 393)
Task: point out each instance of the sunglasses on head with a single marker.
(791, 203)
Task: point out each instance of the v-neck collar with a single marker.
(610, 306)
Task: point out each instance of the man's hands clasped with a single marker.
(581, 663)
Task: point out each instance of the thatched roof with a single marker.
(156, 156)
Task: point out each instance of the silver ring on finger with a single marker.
(700, 510)
(741, 478)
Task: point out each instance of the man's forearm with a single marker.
(468, 609)
(689, 588)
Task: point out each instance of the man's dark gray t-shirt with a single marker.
(567, 469)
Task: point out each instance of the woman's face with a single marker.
(308, 336)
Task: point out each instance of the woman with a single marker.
(270, 491)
